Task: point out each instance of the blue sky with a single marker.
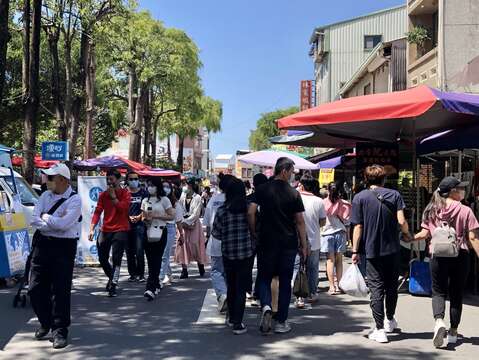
(254, 52)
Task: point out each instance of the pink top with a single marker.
(460, 217)
(340, 208)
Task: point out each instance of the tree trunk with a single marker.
(135, 134)
(31, 107)
(153, 142)
(26, 49)
(68, 84)
(53, 37)
(168, 144)
(132, 88)
(179, 160)
(4, 38)
(147, 130)
(79, 99)
(90, 73)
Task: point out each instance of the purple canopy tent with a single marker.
(269, 158)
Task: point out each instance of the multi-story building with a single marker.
(384, 70)
(243, 170)
(443, 49)
(339, 49)
(224, 163)
(195, 150)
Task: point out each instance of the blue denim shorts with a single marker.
(334, 243)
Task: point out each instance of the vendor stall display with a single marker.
(14, 239)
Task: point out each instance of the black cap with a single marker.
(449, 183)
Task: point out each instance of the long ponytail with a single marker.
(432, 210)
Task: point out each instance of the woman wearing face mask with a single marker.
(192, 247)
(449, 274)
(171, 226)
(157, 210)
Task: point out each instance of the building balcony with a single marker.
(424, 71)
(422, 7)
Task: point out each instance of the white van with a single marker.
(28, 196)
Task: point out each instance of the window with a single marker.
(370, 41)
(367, 89)
(27, 196)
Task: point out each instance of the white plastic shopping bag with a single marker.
(352, 282)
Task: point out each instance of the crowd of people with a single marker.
(279, 225)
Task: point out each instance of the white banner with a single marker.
(89, 189)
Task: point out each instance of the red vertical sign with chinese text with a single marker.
(306, 98)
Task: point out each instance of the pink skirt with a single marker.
(193, 248)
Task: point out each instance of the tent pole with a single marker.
(415, 167)
(459, 164)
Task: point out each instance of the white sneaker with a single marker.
(299, 303)
(166, 281)
(222, 305)
(266, 318)
(378, 336)
(439, 333)
(282, 328)
(390, 325)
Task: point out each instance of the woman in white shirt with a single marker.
(157, 210)
(192, 247)
(171, 226)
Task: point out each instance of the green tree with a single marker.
(266, 128)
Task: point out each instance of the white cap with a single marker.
(58, 169)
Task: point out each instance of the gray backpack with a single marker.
(444, 241)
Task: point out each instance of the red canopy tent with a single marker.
(410, 114)
(38, 162)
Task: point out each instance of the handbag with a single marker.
(444, 241)
(301, 287)
(155, 232)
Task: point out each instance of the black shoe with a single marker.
(108, 286)
(141, 279)
(239, 329)
(201, 268)
(132, 279)
(112, 292)
(41, 333)
(149, 295)
(184, 274)
(60, 341)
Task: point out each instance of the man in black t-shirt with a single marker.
(135, 250)
(282, 221)
(378, 215)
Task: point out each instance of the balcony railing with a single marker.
(424, 71)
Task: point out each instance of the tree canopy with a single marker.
(266, 128)
(104, 66)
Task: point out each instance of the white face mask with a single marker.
(167, 190)
(462, 194)
(152, 190)
(185, 189)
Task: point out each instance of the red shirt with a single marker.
(115, 217)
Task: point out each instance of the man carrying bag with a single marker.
(57, 220)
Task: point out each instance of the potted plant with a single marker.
(419, 35)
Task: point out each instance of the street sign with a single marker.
(55, 150)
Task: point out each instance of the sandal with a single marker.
(332, 292)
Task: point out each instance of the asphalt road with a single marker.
(183, 324)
